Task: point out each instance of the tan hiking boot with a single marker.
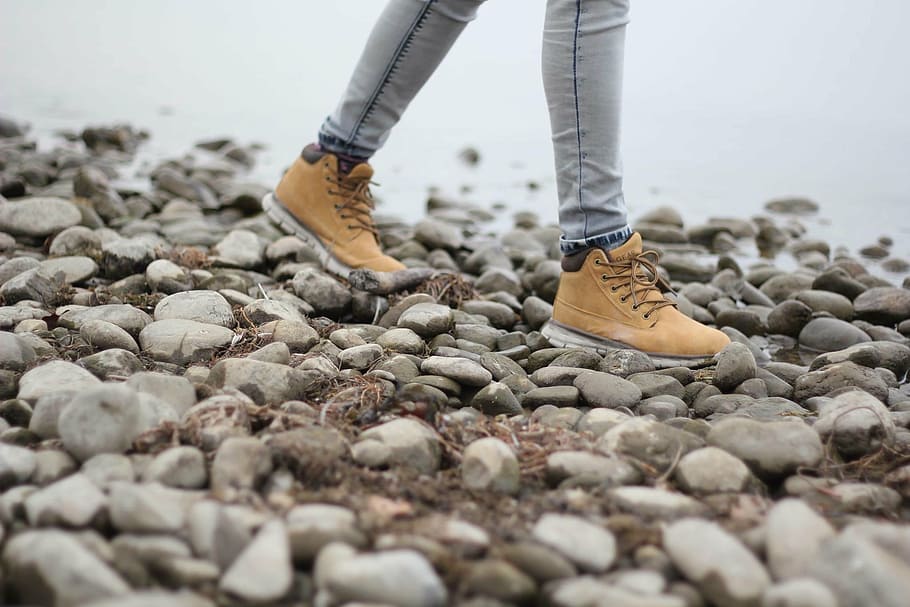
(330, 211)
(609, 300)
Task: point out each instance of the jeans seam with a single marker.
(578, 114)
(399, 54)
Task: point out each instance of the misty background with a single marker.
(727, 104)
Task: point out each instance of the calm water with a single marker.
(727, 104)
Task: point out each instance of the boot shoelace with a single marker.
(357, 205)
(641, 272)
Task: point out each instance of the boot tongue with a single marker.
(361, 172)
(629, 249)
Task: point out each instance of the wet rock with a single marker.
(840, 375)
(590, 547)
(488, 464)
(183, 341)
(604, 390)
(772, 450)
(723, 569)
(789, 317)
(656, 232)
(792, 206)
(838, 280)
(104, 419)
(206, 307)
(712, 470)
(72, 502)
(10, 128)
(829, 334)
(38, 217)
(746, 321)
(535, 311)
(855, 423)
(824, 301)
(53, 568)
(436, 234)
(650, 441)
(264, 382)
(884, 305)
(402, 442)
(684, 269)
(735, 364)
(784, 286)
(263, 572)
(795, 534)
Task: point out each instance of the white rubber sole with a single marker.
(563, 336)
(289, 224)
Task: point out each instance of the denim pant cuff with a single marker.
(606, 241)
(334, 145)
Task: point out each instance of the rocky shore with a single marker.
(193, 413)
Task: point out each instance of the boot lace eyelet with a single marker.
(634, 306)
(646, 315)
(603, 277)
(623, 299)
(615, 288)
(597, 262)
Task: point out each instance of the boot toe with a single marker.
(382, 263)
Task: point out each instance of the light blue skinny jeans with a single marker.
(583, 47)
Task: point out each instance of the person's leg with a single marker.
(583, 52)
(406, 46)
(608, 296)
(324, 196)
